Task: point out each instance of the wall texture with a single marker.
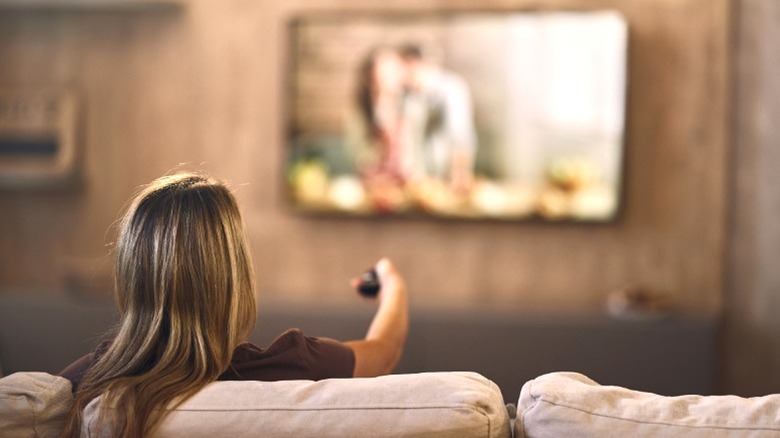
(204, 86)
(752, 353)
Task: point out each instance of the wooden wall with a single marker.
(752, 348)
(204, 86)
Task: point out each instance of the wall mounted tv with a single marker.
(478, 115)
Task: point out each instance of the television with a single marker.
(467, 115)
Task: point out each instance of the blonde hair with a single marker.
(185, 291)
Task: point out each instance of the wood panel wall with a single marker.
(204, 86)
(752, 349)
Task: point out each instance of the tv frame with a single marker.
(399, 17)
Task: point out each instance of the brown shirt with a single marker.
(292, 356)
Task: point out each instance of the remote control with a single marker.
(369, 284)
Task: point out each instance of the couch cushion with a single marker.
(570, 404)
(431, 405)
(33, 404)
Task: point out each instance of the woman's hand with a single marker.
(383, 345)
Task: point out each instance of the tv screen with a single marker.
(510, 115)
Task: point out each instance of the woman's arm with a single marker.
(383, 345)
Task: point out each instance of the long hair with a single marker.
(365, 92)
(367, 88)
(185, 291)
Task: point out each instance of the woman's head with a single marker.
(185, 291)
(182, 264)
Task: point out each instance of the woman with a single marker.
(379, 131)
(185, 291)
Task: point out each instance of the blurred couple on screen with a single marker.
(414, 121)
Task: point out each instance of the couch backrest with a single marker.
(430, 405)
(426, 405)
(569, 404)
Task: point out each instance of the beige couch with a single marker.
(426, 405)
(572, 405)
(449, 404)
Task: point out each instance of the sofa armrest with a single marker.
(33, 404)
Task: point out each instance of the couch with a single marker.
(566, 404)
(446, 404)
(458, 373)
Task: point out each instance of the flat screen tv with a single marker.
(478, 115)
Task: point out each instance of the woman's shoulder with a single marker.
(290, 340)
(75, 371)
(289, 337)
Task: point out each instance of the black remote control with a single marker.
(369, 284)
